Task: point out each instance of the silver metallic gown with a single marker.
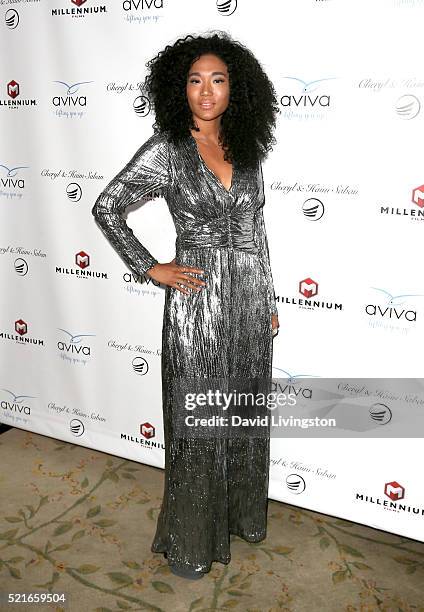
(213, 487)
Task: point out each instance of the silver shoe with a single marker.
(186, 573)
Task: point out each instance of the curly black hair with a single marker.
(247, 124)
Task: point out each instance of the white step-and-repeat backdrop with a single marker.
(80, 336)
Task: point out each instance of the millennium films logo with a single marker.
(82, 263)
(70, 102)
(305, 100)
(395, 493)
(73, 348)
(146, 439)
(14, 99)
(394, 490)
(418, 196)
(21, 337)
(390, 312)
(78, 9)
(13, 89)
(11, 19)
(413, 213)
(308, 287)
(147, 430)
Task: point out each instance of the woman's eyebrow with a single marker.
(213, 73)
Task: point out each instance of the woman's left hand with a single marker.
(275, 324)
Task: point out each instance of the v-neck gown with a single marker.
(214, 487)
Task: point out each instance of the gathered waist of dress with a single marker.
(222, 232)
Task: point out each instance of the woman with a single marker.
(215, 109)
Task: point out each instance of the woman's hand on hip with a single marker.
(177, 276)
(275, 324)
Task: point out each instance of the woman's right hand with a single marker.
(175, 275)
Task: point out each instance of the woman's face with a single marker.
(208, 87)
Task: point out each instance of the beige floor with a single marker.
(81, 522)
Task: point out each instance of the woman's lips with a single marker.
(207, 104)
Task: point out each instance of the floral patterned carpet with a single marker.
(80, 522)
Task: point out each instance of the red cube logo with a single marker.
(308, 287)
(82, 259)
(394, 490)
(147, 430)
(418, 196)
(13, 89)
(21, 327)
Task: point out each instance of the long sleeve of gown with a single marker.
(147, 171)
(262, 242)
